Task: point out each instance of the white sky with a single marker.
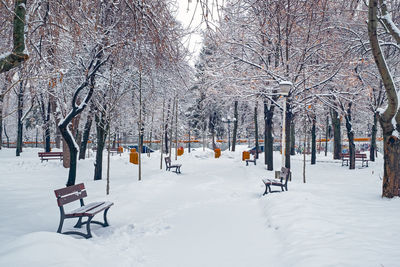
(189, 16)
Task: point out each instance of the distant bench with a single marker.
(50, 155)
(169, 166)
(251, 160)
(112, 151)
(78, 192)
(359, 157)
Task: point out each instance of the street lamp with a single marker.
(228, 120)
(284, 88)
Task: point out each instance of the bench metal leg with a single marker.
(79, 223)
(266, 190)
(247, 163)
(60, 224)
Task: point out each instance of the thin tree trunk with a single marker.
(292, 139)
(235, 125)
(326, 135)
(20, 97)
(350, 136)
(373, 139)
(162, 133)
(289, 116)
(256, 128)
(101, 140)
(268, 139)
(86, 133)
(313, 142)
(108, 161)
(176, 129)
(337, 145)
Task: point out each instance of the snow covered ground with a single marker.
(213, 214)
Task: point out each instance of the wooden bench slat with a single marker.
(98, 209)
(69, 190)
(70, 198)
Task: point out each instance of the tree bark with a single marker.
(85, 136)
(337, 145)
(350, 136)
(20, 97)
(235, 125)
(292, 139)
(268, 139)
(18, 54)
(256, 128)
(313, 141)
(101, 129)
(289, 116)
(373, 138)
(326, 135)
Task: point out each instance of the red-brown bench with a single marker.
(281, 182)
(50, 155)
(78, 192)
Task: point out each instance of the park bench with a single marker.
(251, 160)
(281, 182)
(78, 192)
(115, 150)
(169, 166)
(50, 155)
(359, 157)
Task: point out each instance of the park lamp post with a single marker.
(228, 120)
(284, 88)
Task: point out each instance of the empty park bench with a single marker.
(115, 150)
(251, 160)
(169, 166)
(281, 182)
(359, 157)
(78, 192)
(50, 155)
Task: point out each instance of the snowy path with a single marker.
(211, 220)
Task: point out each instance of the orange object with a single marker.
(134, 157)
(217, 152)
(180, 151)
(120, 149)
(245, 155)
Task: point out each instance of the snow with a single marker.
(213, 214)
(3, 56)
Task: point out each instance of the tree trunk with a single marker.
(292, 139)
(235, 126)
(337, 146)
(350, 136)
(391, 181)
(47, 129)
(268, 139)
(326, 135)
(101, 140)
(18, 54)
(1, 119)
(256, 128)
(313, 142)
(85, 136)
(289, 116)
(20, 97)
(373, 139)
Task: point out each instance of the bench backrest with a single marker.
(167, 161)
(69, 194)
(285, 174)
(41, 154)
